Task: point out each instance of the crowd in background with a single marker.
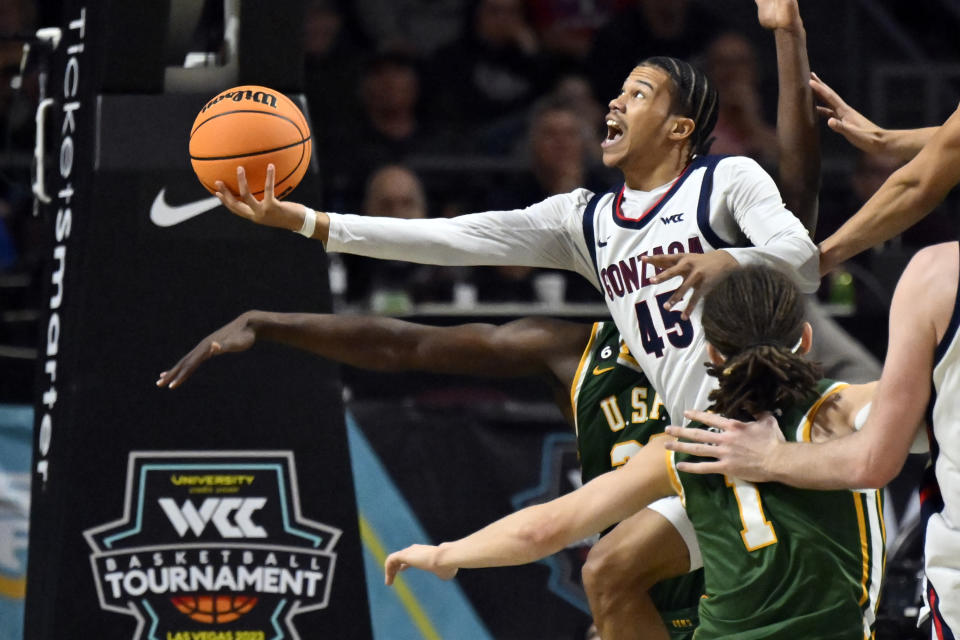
(496, 104)
(426, 108)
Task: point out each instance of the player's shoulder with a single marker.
(928, 288)
(932, 270)
(740, 167)
(832, 411)
(934, 257)
(579, 196)
(569, 204)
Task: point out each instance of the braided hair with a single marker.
(694, 97)
(754, 318)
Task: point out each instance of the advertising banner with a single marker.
(212, 511)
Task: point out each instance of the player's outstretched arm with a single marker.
(863, 133)
(529, 346)
(547, 234)
(798, 137)
(871, 457)
(906, 197)
(270, 211)
(540, 530)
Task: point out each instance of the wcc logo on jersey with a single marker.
(212, 546)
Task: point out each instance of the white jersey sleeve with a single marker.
(780, 240)
(547, 234)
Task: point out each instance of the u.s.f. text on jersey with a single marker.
(623, 277)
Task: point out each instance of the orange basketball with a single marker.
(252, 127)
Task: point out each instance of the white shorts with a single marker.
(672, 509)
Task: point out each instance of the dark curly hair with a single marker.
(693, 97)
(754, 317)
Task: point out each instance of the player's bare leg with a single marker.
(621, 568)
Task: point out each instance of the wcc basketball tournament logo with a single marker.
(212, 546)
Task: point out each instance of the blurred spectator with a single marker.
(567, 27)
(395, 192)
(388, 129)
(415, 27)
(492, 72)
(731, 62)
(887, 262)
(558, 160)
(389, 92)
(869, 172)
(576, 91)
(389, 286)
(332, 64)
(678, 28)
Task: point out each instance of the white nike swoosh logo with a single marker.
(164, 215)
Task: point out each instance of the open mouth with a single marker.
(614, 132)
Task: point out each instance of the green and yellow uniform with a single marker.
(616, 413)
(781, 562)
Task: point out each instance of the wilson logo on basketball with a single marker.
(261, 97)
(213, 545)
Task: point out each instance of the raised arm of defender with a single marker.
(861, 132)
(905, 198)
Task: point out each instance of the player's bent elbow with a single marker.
(877, 476)
(544, 535)
(873, 470)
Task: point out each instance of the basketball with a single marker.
(252, 127)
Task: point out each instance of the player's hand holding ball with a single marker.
(250, 142)
(269, 211)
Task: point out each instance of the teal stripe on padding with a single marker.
(16, 444)
(389, 515)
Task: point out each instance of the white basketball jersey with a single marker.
(940, 495)
(688, 217)
(716, 202)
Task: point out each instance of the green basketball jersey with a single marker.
(781, 562)
(615, 408)
(617, 412)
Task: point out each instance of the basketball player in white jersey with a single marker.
(674, 199)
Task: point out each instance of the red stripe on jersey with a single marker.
(940, 628)
(932, 597)
(619, 210)
(931, 491)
